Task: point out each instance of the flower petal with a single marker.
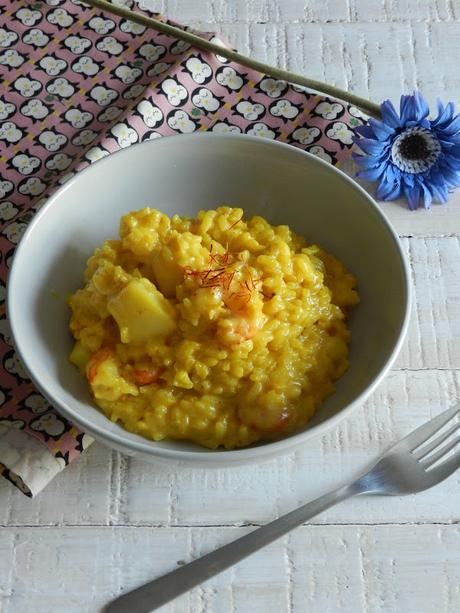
(389, 114)
(422, 109)
(451, 177)
(427, 196)
(446, 144)
(445, 115)
(408, 179)
(438, 187)
(425, 123)
(454, 152)
(452, 162)
(408, 110)
(453, 127)
(412, 195)
(454, 140)
(366, 161)
(439, 106)
(371, 146)
(381, 130)
(388, 189)
(394, 193)
(372, 174)
(365, 131)
(393, 173)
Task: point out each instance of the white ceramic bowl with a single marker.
(183, 175)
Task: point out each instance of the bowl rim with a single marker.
(234, 456)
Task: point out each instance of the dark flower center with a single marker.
(415, 150)
(414, 147)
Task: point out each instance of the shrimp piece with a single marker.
(237, 329)
(147, 375)
(96, 360)
(245, 316)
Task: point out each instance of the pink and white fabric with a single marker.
(77, 85)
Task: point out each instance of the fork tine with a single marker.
(443, 470)
(426, 449)
(432, 459)
(426, 431)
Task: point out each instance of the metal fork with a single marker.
(415, 463)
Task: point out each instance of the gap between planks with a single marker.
(163, 526)
(269, 22)
(429, 236)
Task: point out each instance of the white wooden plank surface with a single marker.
(323, 12)
(109, 523)
(378, 569)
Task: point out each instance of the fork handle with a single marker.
(164, 589)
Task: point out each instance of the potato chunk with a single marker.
(141, 312)
(167, 273)
(80, 355)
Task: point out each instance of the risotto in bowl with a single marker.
(220, 330)
(229, 298)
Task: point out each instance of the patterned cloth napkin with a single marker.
(78, 85)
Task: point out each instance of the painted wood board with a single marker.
(321, 568)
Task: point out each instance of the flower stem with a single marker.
(371, 108)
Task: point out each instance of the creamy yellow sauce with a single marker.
(218, 330)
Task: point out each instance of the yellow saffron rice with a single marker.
(218, 330)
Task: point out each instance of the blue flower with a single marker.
(409, 154)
